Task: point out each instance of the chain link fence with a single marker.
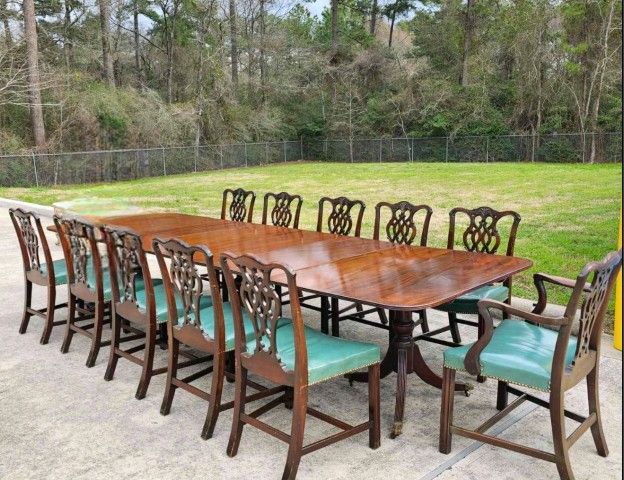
(112, 165)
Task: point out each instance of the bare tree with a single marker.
(107, 58)
(233, 42)
(4, 17)
(468, 34)
(334, 25)
(32, 55)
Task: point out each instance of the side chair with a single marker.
(481, 234)
(406, 224)
(286, 352)
(344, 218)
(539, 352)
(88, 283)
(285, 210)
(206, 327)
(139, 306)
(48, 273)
(237, 205)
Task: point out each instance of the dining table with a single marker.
(402, 279)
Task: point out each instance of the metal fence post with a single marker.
(164, 162)
(196, 155)
(447, 149)
(301, 148)
(245, 153)
(380, 143)
(35, 168)
(487, 149)
(266, 152)
(221, 155)
(284, 147)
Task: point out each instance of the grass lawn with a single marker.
(569, 212)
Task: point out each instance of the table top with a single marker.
(369, 271)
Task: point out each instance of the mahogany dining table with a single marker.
(402, 279)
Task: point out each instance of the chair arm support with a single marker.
(540, 278)
(471, 361)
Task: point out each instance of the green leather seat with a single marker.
(518, 352)
(160, 300)
(328, 356)
(468, 303)
(60, 271)
(206, 318)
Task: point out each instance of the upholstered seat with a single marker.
(60, 271)
(467, 303)
(519, 352)
(206, 318)
(160, 300)
(327, 356)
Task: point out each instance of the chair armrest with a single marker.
(540, 278)
(471, 361)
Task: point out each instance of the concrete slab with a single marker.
(59, 419)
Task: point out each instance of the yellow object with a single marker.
(617, 328)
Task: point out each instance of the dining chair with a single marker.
(344, 218)
(139, 307)
(288, 353)
(285, 210)
(199, 322)
(48, 273)
(400, 223)
(539, 352)
(237, 205)
(481, 233)
(88, 283)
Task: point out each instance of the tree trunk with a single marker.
(373, 19)
(68, 44)
(468, 33)
(137, 44)
(262, 51)
(233, 43)
(392, 19)
(4, 16)
(107, 59)
(32, 49)
(334, 25)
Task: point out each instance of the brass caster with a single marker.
(397, 429)
(468, 388)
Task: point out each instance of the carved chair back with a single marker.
(258, 297)
(237, 205)
(482, 232)
(79, 241)
(184, 289)
(286, 209)
(402, 226)
(31, 238)
(345, 216)
(127, 262)
(592, 291)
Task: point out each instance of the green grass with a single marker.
(569, 212)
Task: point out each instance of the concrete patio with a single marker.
(59, 419)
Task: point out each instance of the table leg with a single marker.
(404, 357)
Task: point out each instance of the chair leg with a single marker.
(216, 388)
(71, 318)
(27, 304)
(557, 420)
(446, 414)
(96, 337)
(424, 322)
(300, 407)
(324, 315)
(239, 407)
(594, 407)
(502, 396)
(454, 328)
(148, 362)
(49, 321)
(374, 417)
(383, 318)
(172, 371)
(335, 317)
(162, 336)
(113, 356)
